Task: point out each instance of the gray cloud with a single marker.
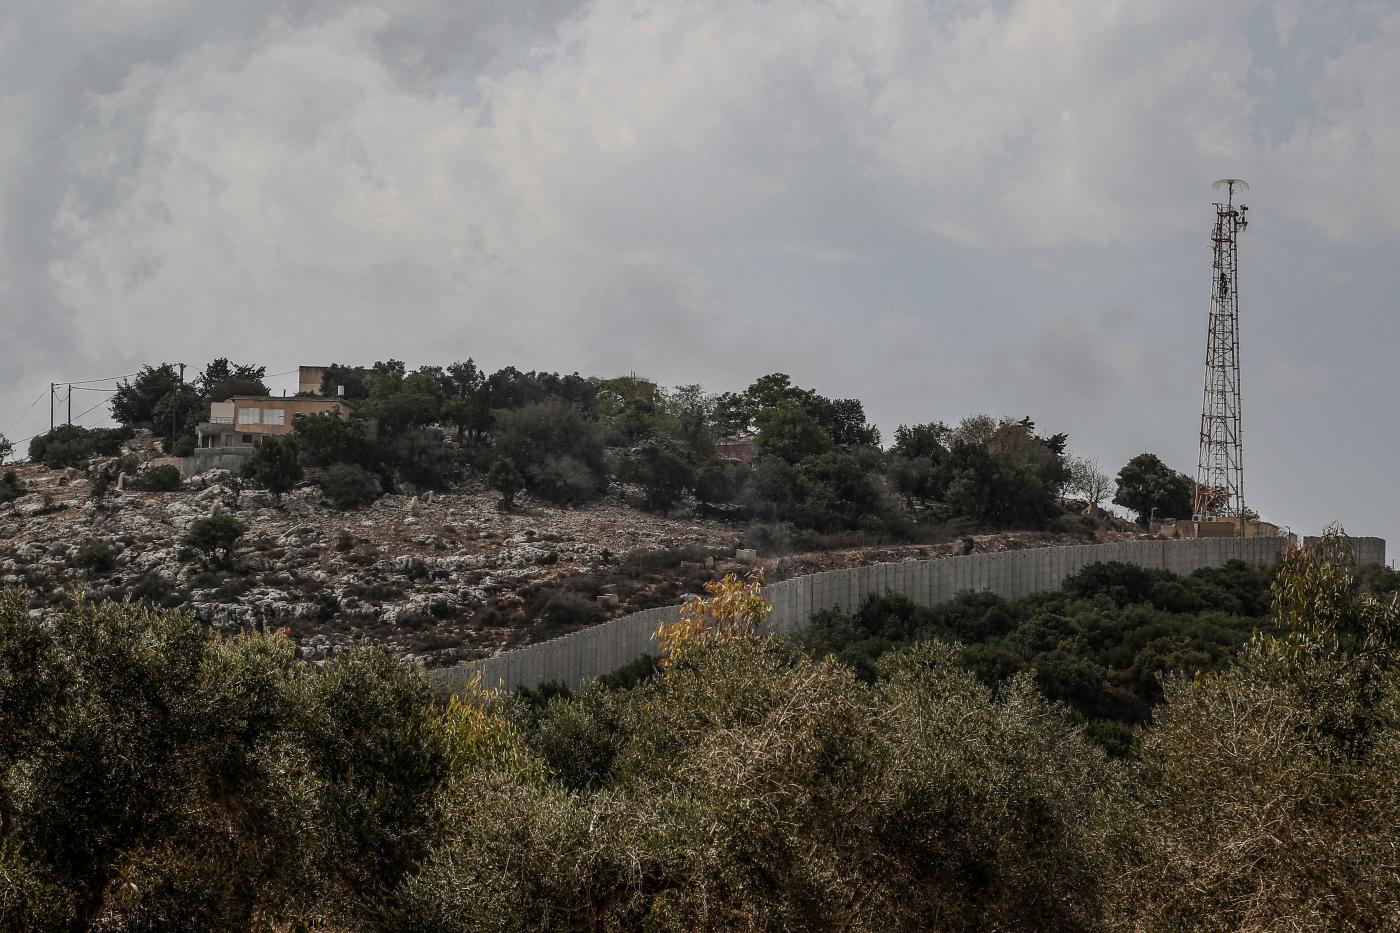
(939, 208)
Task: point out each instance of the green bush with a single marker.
(96, 557)
(10, 487)
(424, 459)
(157, 778)
(1099, 646)
(557, 449)
(507, 480)
(326, 438)
(720, 482)
(564, 609)
(74, 446)
(157, 479)
(274, 465)
(349, 486)
(661, 471)
(214, 538)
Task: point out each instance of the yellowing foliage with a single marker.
(734, 607)
(475, 734)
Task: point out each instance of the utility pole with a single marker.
(170, 443)
(70, 404)
(1220, 466)
(52, 387)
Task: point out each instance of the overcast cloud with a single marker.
(940, 208)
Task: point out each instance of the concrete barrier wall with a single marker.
(579, 657)
(1364, 550)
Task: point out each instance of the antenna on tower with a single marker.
(1220, 466)
(1230, 184)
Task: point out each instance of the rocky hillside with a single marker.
(437, 578)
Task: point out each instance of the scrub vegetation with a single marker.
(153, 777)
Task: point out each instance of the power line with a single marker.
(25, 412)
(79, 382)
(93, 408)
(84, 414)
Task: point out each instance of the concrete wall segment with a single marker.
(587, 654)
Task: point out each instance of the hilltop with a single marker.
(436, 577)
(446, 513)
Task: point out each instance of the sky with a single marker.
(942, 209)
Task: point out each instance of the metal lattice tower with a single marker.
(1220, 467)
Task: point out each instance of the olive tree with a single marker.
(215, 537)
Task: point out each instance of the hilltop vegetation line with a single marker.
(819, 463)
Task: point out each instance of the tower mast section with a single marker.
(1220, 466)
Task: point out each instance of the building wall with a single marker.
(581, 656)
(290, 408)
(309, 379)
(737, 448)
(205, 459)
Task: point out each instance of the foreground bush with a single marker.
(1269, 791)
(153, 778)
(753, 788)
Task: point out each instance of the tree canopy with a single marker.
(1150, 487)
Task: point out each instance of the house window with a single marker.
(247, 438)
(274, 416)
(249, 415)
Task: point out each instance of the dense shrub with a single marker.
(663, 473)
(157, 479)
(720, 482)
(507, 480)
(564, 609)
(326, 438)
(74, 446)
(156, 778)
(153, 777)
(96, 557)
(11, 487)
(557, 449)
(349, 486)
(1099, 646)
(925, 803)
(424, 460)
(215, 537)
(274, 465)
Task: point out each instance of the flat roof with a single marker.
(283, 398)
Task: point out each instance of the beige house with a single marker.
(244, 420)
